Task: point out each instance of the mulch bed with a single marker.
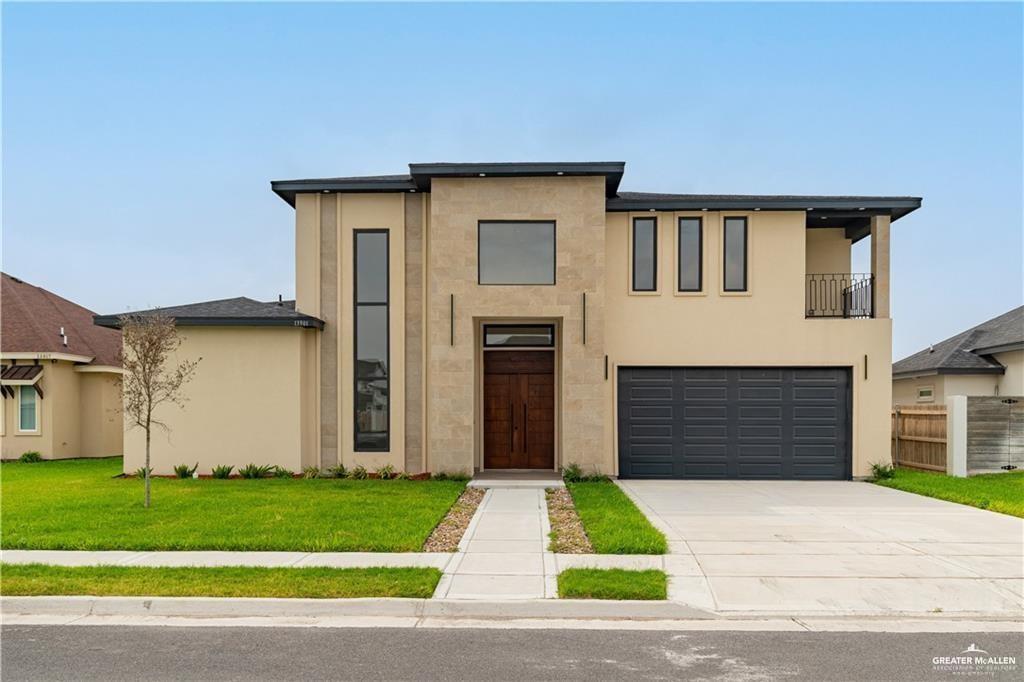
(567, 534)
(446, 536)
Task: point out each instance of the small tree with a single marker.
(148, 380)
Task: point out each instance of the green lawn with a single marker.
(318, 583)
(995, 492)
(612, 583)
(612, 522)
(76, 504)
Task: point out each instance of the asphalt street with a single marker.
(292, 653)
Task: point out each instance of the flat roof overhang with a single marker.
(114, 322)
(423, 173)
(852, 213)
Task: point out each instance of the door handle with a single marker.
(524, 426)
(511, 427)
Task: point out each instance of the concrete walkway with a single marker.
(503, 554)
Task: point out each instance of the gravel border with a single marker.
(446, 536)
(567, 534)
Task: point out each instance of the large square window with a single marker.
(516, 252)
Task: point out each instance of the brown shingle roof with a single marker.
(31, 318)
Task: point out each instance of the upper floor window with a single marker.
(735, 247)
(691, 253)
(645, 254)
(28, 420)
(516, 252)
(372, 346)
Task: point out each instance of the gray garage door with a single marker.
(734, 422)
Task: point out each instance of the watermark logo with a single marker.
(975, 662)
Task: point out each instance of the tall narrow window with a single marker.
(27, 418)
(691, 254)
(735, 254)
(645, 254)
(372, 346)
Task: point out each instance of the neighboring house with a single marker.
(59, 377)
(986, 360)
(472, 316)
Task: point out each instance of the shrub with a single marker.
(358, 473)
(222, 471)
(460, 476)
(281, 472)
(572, 473)
(386, 472)
(450, 476)
(881, 472)
(337, 471)
(141, 472)
(311, 472)
(255, 471)
(185, 471)
(440, 476)
(30, 457)
(403, 476)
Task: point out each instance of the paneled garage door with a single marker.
(734, 422)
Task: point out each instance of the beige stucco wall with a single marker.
(244, 405)
(762, 327)
(78, 415)
(456, 205)
(102, 423)
(828, 251)
(1012, 382)
(904, 391)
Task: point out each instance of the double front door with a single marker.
(519, 409)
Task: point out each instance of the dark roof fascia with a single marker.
(1003, 348)
(948, 370)
(287, 189)
(612, 171)
(114, 321)
(897, 207)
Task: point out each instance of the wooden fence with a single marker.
(919, 437)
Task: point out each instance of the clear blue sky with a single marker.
(139, 140)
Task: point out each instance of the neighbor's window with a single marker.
(691, 250)
(497, 335)
(645, 254)
(735, 254)
(516, 252)
(27, 401)
(372, 344)
(925, 394)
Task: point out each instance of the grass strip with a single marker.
(612, 522)
(1002, 493)
(612, 583)
(219, 581)
(78, 504)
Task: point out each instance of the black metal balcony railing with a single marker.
(840, 294)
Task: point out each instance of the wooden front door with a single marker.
(519, 409)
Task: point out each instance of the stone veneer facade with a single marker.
(577, 205)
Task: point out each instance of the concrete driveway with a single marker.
(803, 547)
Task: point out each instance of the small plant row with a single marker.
(30, 457)
(357, 473)
(573, 473)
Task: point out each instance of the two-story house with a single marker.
(476, 316)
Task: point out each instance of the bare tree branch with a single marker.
(148, 342)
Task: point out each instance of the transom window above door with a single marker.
(519, 336)
(516, 252)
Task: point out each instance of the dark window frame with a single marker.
(554, 253)
(746, 254)
(654, 259)
(386, 304)
(549, 327)
(700, 254)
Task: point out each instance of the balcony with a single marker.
(839, 295)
